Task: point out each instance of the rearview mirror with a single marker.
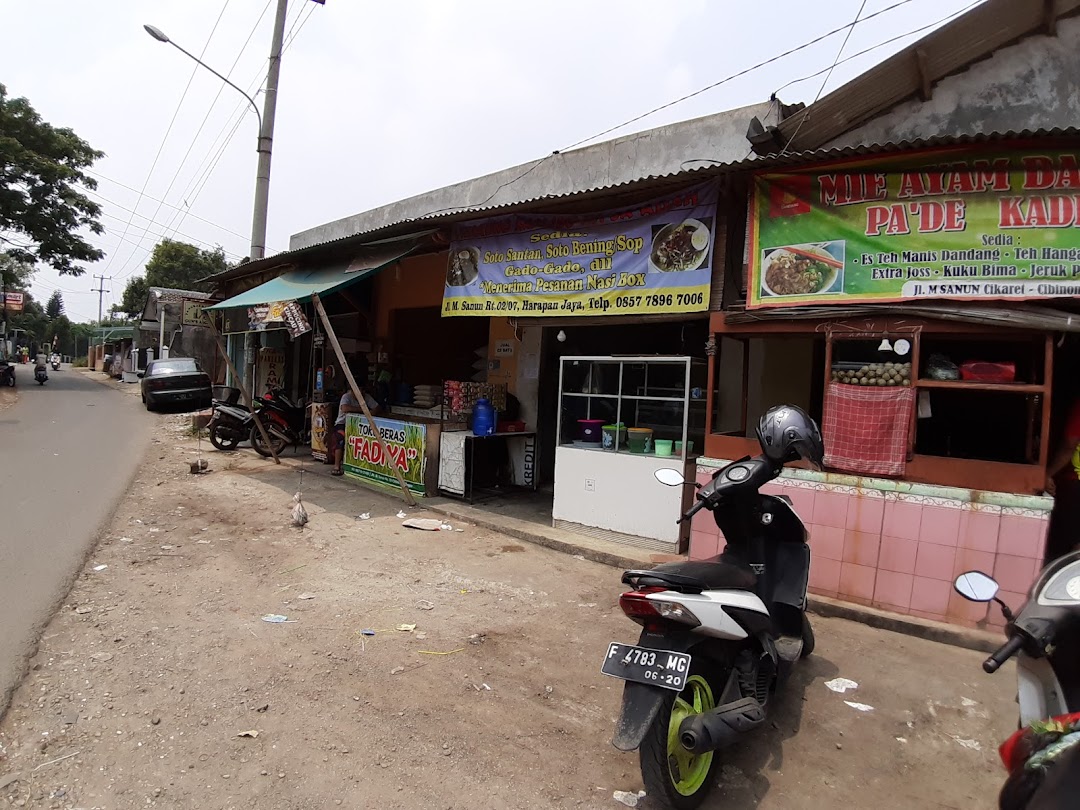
(669, 477)
(140, 375)
(975, 586)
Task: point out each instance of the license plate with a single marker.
(641, 665)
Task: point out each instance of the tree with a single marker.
(59, 333)
(182, 266)
(41, 168)
(55, 307)
(134, 297)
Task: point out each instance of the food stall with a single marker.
(620, 419)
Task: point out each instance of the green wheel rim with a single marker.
(688, 772)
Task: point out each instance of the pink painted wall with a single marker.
(900, 552)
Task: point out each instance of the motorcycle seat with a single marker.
(693, 576)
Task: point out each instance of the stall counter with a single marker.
(616, 496)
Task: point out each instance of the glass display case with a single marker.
(647, 405)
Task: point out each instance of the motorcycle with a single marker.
(719, 636)
(55, 365)
(284, 421)
(7, 373)
(230, 423)
(40, 375)
(1044, 636)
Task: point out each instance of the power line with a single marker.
(759, 65)
(848, 27)
(882, 44)
(148, 232)
(172, 121)
(828, 75)
(155, 199)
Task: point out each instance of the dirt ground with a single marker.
(158, 685)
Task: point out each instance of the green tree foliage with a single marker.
(59, 334)
(32, 320)
(182, 266)
(55, 307)
(15, 274)
(134, 297)
(41, 208)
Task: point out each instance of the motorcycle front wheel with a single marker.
(674, 778)
(261, 447)
(223, 438)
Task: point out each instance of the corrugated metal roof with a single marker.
(405, 227)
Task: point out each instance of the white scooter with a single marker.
(720, 635)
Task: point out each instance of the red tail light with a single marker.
(636, 605)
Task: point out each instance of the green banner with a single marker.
(957, 225)
(406, 445)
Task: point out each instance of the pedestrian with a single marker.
(1063, 482)
(349, 405)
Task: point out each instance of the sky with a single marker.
(381, 101)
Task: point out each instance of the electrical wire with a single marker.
(882, 44)
(172, 120)
(147, 231)
(155, 199)
(848, 27)
(828, 75)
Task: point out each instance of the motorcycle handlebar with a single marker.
(693, 510)
(1003, 654)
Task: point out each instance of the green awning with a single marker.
(298, 285)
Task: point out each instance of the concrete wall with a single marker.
(1034, 84)
(719, 137)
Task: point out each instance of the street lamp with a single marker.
(266, 121)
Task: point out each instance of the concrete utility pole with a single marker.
(265, 147)
(100, 290)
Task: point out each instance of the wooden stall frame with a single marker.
(408, 496)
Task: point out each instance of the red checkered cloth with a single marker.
(866, 429)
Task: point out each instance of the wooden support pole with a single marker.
(243, 388)
(360, 396)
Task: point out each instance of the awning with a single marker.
(298, 285)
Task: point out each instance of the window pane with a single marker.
(728, 395)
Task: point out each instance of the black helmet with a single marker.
(786, 433)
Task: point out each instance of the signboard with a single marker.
(193, 313)
(295, 319)
(13, 301)
(406, 445)
(270, 373)
(651, 258)
(1000, 225)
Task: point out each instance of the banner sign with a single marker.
(1001, 225)
(652, 258)
(13, 301)
(406, 446)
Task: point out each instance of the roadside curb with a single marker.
(600, 551)
(952, 634)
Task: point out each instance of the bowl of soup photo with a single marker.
(803, 270)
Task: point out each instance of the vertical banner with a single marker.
(406, 447)
(955, 225)
(650, 258)
(271, 371)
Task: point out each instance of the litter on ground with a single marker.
(841, 685)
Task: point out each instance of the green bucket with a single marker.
(640, 440)
(614, 436)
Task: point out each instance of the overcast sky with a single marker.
(380, 101)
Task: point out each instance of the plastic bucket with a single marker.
(679, 448)
(663, 447)
(640, 440)
(589, 430)
(614, 436)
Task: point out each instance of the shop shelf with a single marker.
(969, 385)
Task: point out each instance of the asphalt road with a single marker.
(68, 449)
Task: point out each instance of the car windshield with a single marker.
(180, 366)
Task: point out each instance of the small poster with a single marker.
(295, 319)
(271, 371)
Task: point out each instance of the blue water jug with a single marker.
(483, 418)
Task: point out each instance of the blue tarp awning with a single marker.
(298, 285)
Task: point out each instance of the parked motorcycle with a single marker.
(7, 373)
(230, 422)
(284, 420)
(721, 635)
(1045, 639)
